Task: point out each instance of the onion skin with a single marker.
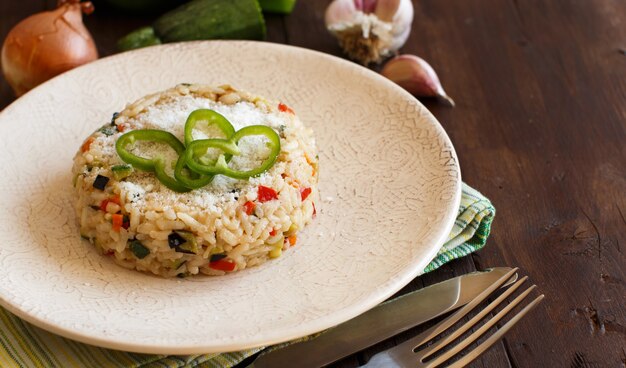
(44, 45)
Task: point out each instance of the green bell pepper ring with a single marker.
(168, 181)
(211, 118)
(190, 179)
(199, 147)
(156, 165)
(230, 147)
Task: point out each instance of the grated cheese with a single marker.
(170, 116)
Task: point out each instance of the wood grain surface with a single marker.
(539, 127)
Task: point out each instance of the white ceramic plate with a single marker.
(385, 161)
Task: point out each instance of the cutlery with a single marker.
(384, 321)
(408, 353)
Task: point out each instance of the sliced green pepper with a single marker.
(194, 168)
(156, 164)
(230, 147)
(189, 178)
(168, 181)
(199, 147)
(211, 118)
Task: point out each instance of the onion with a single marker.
(47, 44)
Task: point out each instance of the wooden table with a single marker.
(539, 127)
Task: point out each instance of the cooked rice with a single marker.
(214, 214)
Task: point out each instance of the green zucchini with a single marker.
(121, 171)
(277, 6)
(201, 20)
(139, 250)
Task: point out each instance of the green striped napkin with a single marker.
(24, 345)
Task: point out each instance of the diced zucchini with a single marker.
(139, 250)
(184, 242)
(217, 257)
(108, 129)
(121, 171)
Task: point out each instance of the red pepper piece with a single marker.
(222, 265)
(114, 199)
(103, 205)
(126, 222)
(117, 220)
(266, 194)
(273, 232)
(249, 207)
(87, 144)
(292, 240)
(304, 193)
(284, 108)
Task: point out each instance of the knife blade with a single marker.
(383, 321)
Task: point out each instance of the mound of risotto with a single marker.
(196, 179)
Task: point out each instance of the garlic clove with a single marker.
(369, 6)
(402, 20)
(342, 11)
(416, 76)
(387, 9)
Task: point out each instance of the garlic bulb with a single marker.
(416, 76)
(369, 30)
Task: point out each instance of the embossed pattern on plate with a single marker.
(385, 161)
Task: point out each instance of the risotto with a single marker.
(196, 179)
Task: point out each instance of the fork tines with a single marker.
(408, 352)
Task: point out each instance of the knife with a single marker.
(383, 321)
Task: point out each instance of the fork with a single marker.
(408, 355)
